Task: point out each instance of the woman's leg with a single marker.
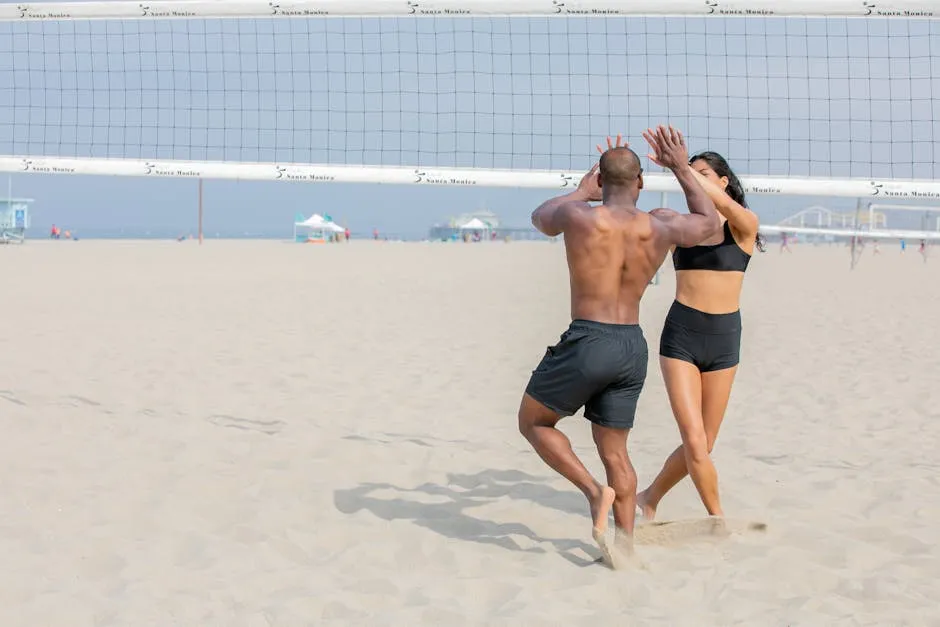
(713, 394)
(716, 392)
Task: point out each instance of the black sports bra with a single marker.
(724, 257)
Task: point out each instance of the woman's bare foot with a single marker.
(646, 510)
(600, 510)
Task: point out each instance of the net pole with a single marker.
(200, 212)
(855, 243)
(924, 225)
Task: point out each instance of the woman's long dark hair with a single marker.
(718, 163)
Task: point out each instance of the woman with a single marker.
(701, 339)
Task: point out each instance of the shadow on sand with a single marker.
(448, 517)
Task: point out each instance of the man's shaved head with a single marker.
(620, 167)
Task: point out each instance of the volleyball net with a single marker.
(821, 97)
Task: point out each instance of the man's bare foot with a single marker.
(600, 510)
(623, 553)
(644, 508)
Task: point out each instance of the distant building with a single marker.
(451, 230)
(487, 217)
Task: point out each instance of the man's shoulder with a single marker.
(663, 213)
(577, 206)
(662, 220)
(578, 212)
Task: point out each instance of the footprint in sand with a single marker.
(10, 397)
(359, 438)
(268, 427)
(773, 460)
(419, 440)
(81, 400)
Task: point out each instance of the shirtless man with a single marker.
(600, 362)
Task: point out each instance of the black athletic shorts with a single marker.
(598, 366)
(709, 341)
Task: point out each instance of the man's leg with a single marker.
(612, 447)
(537, 424)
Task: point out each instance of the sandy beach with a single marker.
(262, 433)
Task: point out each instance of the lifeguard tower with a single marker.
(14, 220)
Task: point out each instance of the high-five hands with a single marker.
(668, 146)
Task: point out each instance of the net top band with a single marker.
(189, 9)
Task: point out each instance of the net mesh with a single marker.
(800, 97)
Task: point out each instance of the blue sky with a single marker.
(798, 97)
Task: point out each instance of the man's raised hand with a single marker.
(589, 186)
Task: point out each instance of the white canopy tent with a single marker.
(317, 225)
(476, 224)
(475, 228)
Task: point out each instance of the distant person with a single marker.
(923, 249)
(785, 243)
(348, 234)
(600, 361)
(375, 234)
(903, 246)
(700, 345)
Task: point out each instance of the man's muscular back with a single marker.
(615, 249)
(612, 256)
